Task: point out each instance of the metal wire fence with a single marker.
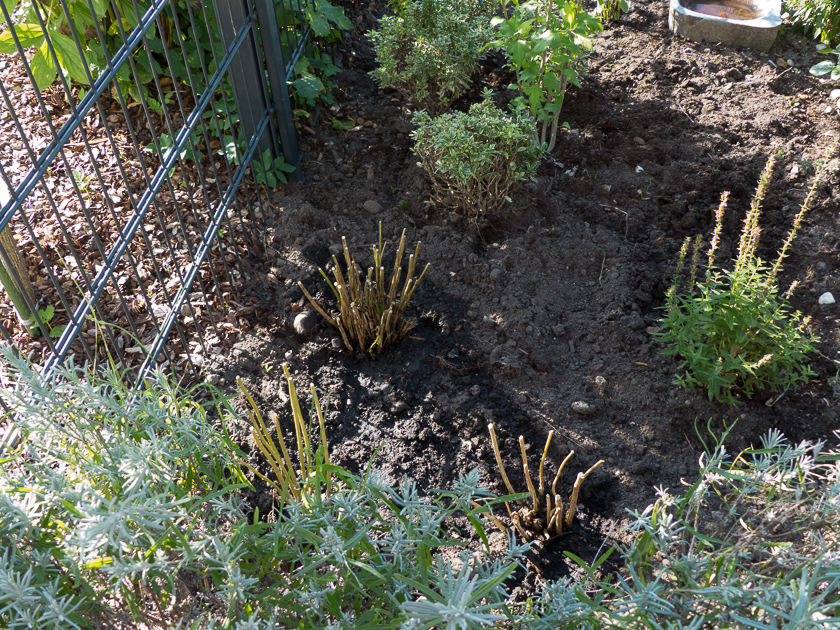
(126, 208)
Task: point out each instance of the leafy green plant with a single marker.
(610, 10)
(123, 508)
(371, 309)
(100, 501)
(476, 160)
(311, 81)
(828, 67)
(733, 329)
(818, 18)
(39, 20)
(271, 172)
(46, 314)
(546, 42)
(429, 51)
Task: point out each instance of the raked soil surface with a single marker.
(552, 301)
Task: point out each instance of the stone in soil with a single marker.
(306, 322)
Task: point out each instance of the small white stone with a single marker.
(582, 408)
(826, 299)
(639, 169)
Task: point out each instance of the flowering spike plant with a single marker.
(733, 328)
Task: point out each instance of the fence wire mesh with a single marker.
(126, 207)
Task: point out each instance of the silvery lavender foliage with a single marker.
(752, 544)
(115, 492)
(101, 494)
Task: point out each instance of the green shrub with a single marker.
(430, 49)
(732, 328)
(546, 42)
(477, 159)
(818, 18)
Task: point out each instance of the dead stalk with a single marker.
(542, 461)
(560, 472)
(492, 517)
(570, 515)
(530, 483)
(499, 458)
(558, 514)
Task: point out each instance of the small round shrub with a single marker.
(476, 160)
(429, 51)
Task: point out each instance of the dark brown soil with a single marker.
(553, 300)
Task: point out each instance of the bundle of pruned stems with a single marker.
(371, 310)
(288, 480)
(542, 518)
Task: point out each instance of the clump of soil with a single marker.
(541, 316)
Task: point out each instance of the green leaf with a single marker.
(69, 57)
(29, 35)
(823, 67)
(308, 86)
(43, 68)
(46, 314)
(100, 7)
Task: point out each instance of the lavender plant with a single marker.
(123, 508)
(733, 329)
(749, 545)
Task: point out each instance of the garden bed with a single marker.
(553, 300)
